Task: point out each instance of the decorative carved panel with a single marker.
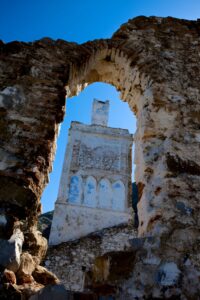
(103, 157)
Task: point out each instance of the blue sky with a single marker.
(80, 21)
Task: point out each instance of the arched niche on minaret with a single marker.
(118, 200)
(90, 192)
(104, 193)
(75, 189)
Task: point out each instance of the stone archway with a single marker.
(70, 68)
(110, 65)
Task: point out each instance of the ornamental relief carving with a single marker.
(102, 157)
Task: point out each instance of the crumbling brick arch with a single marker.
(110, 65)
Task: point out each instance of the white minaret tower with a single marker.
(94, 191)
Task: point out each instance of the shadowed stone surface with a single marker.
(53, 292)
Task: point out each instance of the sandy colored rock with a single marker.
(37, 244)
(43, 276)
(9, 276)
(27, 266)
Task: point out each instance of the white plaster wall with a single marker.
(95, 151)
(91, 193)
(70, 222)
(95, 177)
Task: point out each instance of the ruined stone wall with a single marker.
(154, 63)
(72, 260)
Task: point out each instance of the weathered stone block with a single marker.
(11, 251)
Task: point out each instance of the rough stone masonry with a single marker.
(155, 64)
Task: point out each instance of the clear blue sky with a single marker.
(80, 21)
